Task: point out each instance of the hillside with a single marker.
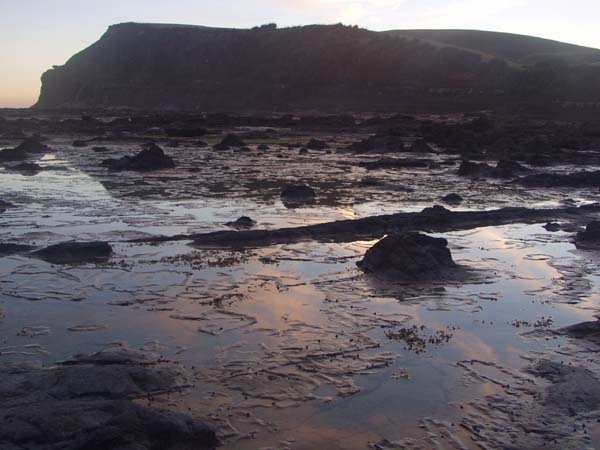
(318, 67)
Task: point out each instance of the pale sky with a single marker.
(37, 34)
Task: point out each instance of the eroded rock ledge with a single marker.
(436, 219)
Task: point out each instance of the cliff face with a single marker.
(327, 67)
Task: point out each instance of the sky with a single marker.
(37, 34)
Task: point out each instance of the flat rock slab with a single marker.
(88, 404)
(75, 252)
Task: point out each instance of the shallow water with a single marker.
(287, 345)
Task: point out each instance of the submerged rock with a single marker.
(75, 252)
(150, 158)
(408, 255)
(8, 248)
(297, 195)
(243, 223)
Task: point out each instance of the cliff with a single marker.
(315, 67)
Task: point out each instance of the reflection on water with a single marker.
(286, 344)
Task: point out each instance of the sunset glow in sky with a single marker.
(37, 34)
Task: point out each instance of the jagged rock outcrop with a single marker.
(152, 157)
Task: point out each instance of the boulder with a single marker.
(75, 252)
(552, 226)
(452, 199)
(297, 195)
(421, 146)
(589, 237)
(230, 140)
(316, 144)
(473, 169)
(27, 168)
(33, 144)
(509, 169)
(243, 223)
(152, 157)
(79, 143)
(408, 255)
(379, 143)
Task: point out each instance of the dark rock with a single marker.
(100, 149)
(452, 199)
(185, 132)
(80, 143)
(509, 169)
(583, 330)
(8, 248)
(33, 145)
(408, 255)
(297, 195)
(75, 252)
(396, 163)
(243, 223)
(576, 179)
(13, 154)
(262, 147)
(473, 169)
(573, 388)
(27, 168)
(303, 151)
(421, 146)
(85, 404)
(379, 143)
(232, 140)
(589, 237)
(504, 169)
(5, 205)
(316, 144)
(201, 144)
(552, 226)
(369, 182)
(150, 158)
